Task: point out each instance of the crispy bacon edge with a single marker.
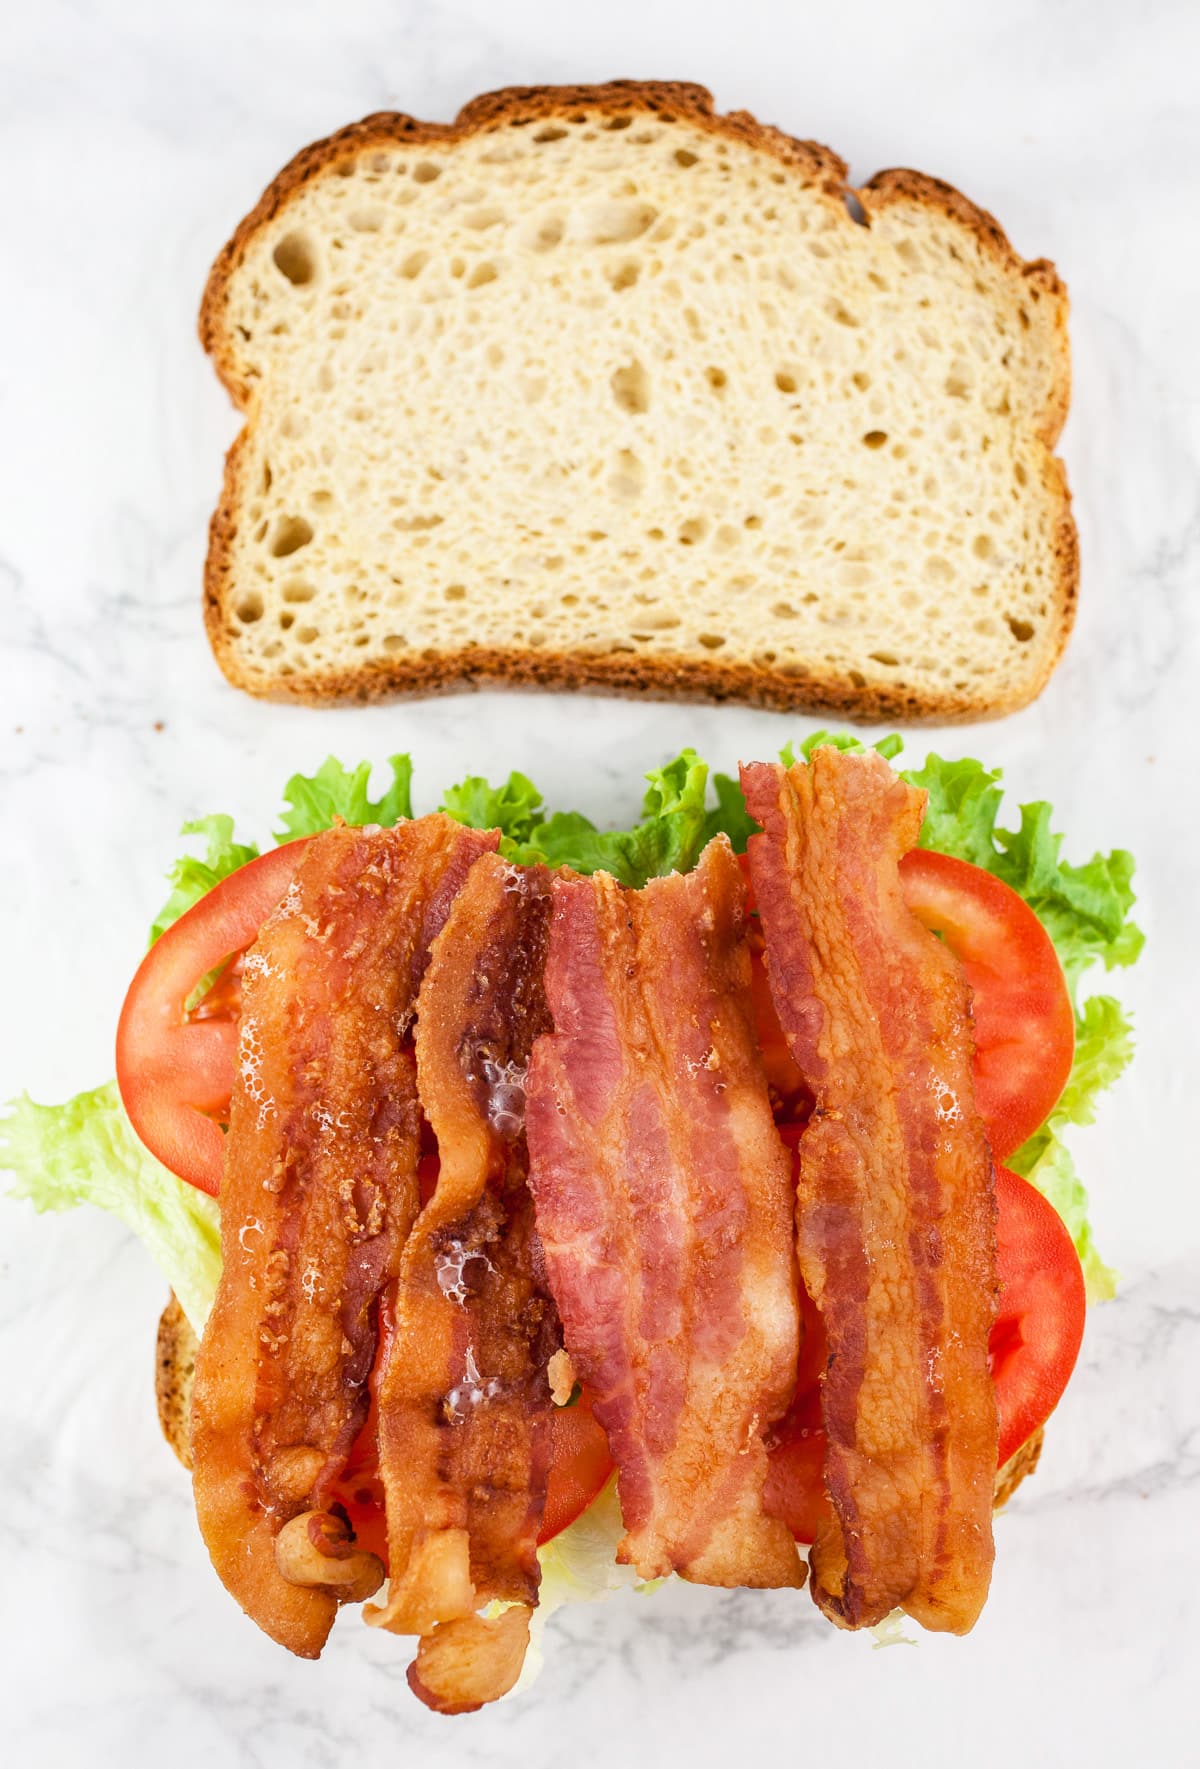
(318, 1196)
(465, 1404)
(664, 1205)
(896, 1206)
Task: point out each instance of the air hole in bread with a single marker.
(685, 157)
(631, 387)
(615, 123)
(479, 220)
(249, 608)
(1021, 630)
(414, 264)
(841, 313)
(875, 438)
(426, 171)
(692, 531)
(629, 477)
(785, 382)
(710, 641)
(957, 386)
(295, 257)
(1019, 474)
(625, 277)
(394, 642)
(367, 220)
(550, 132)
(983, 546)
(854, 208)
(482, 274)
(885, 658)
(455, 592)
(548, 233)
(298, 589)
(611, 224)
(291, 533)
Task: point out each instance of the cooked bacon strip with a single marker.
(318, 1195)
(465, 1399)
(664, 1206)
(896, 1212)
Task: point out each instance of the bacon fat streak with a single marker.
(318, 1195)
(664, 1206)
(896, 1208)
(465, 1400)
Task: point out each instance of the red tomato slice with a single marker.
(1034, 1345)
(1024, 1024)
(580, 1466)
(1043, 1301)
(175, 1065)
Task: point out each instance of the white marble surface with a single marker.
(132, 137)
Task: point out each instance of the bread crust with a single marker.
(626, 674)
(174, 1370)
(1018, 1468)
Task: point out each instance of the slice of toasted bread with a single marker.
(1019, 1467)
(594, 387)
(174, 1370)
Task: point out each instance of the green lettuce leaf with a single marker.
(85, 1152)
(512, 808)
(1103, 1048)
(673, 829)
(579, 1565)
(731, 817)
(315, 800)
(192, 879)
(887, 747)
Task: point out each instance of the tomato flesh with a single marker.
(1043, 1301)
(1024, 1022)
(580, 1465)
(175, 1064)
